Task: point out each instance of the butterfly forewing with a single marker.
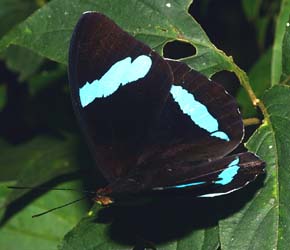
(119, 86)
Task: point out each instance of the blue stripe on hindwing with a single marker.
(180, 185)
(225, 177)
(197, 112)
(229, 173)
(121, 73)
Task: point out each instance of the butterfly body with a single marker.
(153, 124)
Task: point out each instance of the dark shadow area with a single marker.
(25, 116)
(228, 80)
(178, 50)
(12, 125)
(221, 17)
(170, 218)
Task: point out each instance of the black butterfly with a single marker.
(153, 124)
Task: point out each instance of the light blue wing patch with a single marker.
(180, 186)
(120, 74)
(197, 112)
(229, 173)
(226, 177)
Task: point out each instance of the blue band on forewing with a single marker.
(197, 112)
(121, 73)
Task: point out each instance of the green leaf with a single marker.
(22, 61)
(281, 26)
(3, 193)
(48, 31)
(251, 8)
(2, 96)
(45, 232)
(37, 162)
(260, 78)
(83, 236)
(262, 27)
(122, 235)
(13, 12)
(264, 223)
(285, 76)
(38, 82)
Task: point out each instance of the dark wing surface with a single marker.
(208, 179)
(118, 87)
(200, 121)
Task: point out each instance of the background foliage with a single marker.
(40, 144)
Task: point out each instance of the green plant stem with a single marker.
(244, 80)
(40, 3)
(251, 121)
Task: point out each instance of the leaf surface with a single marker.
(45, 232)
(264, 221)
(281, 27)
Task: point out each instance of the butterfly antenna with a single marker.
(46, 189)
(65, 205)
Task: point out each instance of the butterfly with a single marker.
(153, 124)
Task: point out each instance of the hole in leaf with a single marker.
(178, 49)
(229, 81)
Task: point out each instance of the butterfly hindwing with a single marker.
(119, 86)
(207, 179)
(200, 121)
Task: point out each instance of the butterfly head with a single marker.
(102, 197)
